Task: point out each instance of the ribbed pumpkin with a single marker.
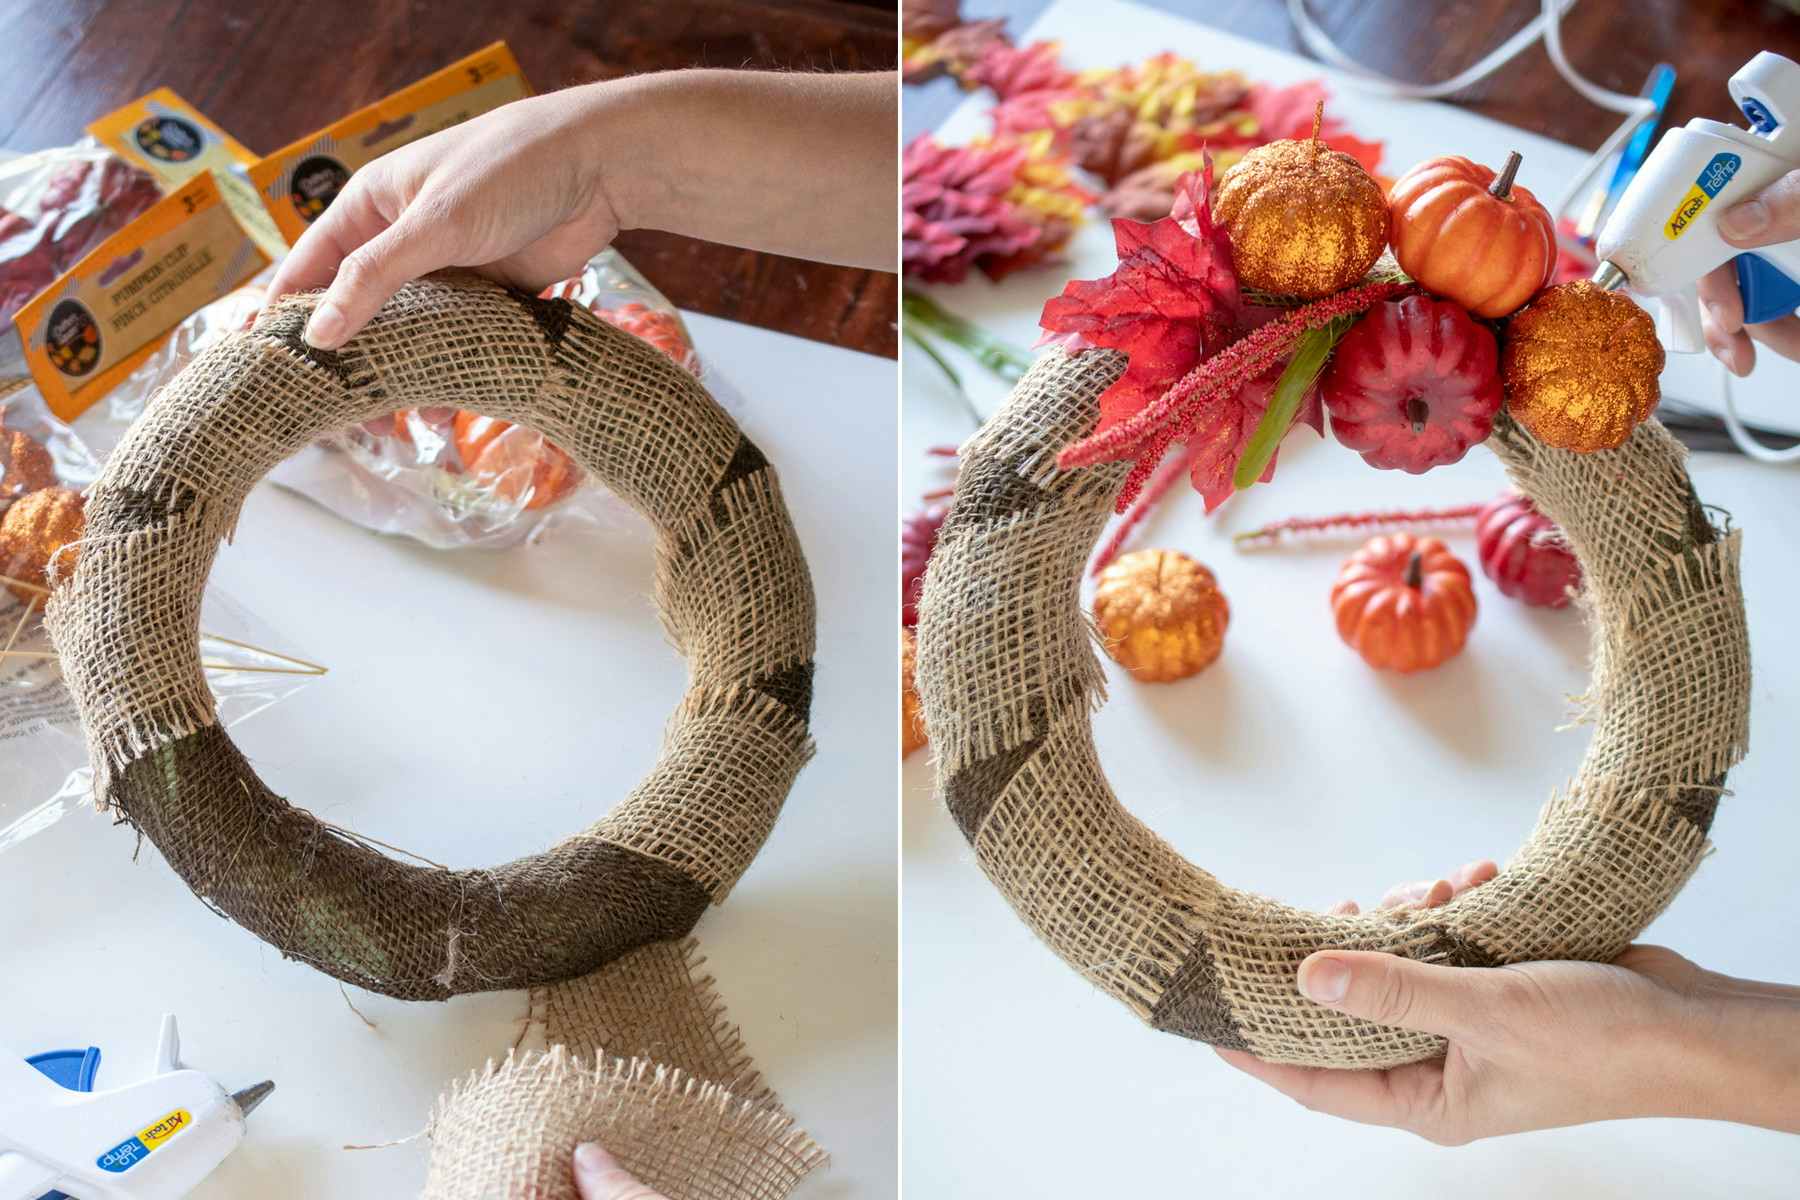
(1404, 603)
(1521, 551)
(1470, 235)
(1413, 385)
(1305, 220)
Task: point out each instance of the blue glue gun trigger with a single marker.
(1768, 294)
(72, 1069)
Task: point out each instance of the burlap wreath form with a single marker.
(601, 914)
(1008, 678)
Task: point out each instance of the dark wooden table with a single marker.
(1615, 43)
(271, 71)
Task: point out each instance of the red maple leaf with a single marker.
(1173, 300)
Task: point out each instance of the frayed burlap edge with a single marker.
(642, 1059)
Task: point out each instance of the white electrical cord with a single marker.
(1637, 109)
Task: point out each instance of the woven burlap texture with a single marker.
(1008, 678)
(732, 586)
(642, 1060)
(605, 908)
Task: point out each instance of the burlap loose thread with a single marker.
(1008, 679)
(734, 593)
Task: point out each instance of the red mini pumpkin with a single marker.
(1522, 551)
(1404, 603)
(1470, 235)
(1413, 385)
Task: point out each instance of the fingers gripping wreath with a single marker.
(731, 584)
(1008, 679)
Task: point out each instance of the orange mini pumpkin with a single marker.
(513, 459)
(1471, 236)
(1404, 603)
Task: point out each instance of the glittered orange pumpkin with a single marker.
(37, 531)
(1305, 220)
(25, 466)
(1471, 236)
(1581, 367)
(513, 459)
(1161, 615)
(1404, 603)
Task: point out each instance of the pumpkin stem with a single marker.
(1416, 412)
(1415, 570)
(1318, 119)
(1503, 182)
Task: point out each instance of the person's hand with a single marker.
(598, 1176)
(1766, 219)
(1543, 1044)
(796, 164)
(1428, 893)
(506, 193)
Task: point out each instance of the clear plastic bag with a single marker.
(44, 772)
(55, 206)
(445, 477)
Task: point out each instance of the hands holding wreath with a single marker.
(1539, 1045)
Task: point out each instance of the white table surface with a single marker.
(1290, 768)
(479, 707)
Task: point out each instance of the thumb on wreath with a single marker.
(1390, 990)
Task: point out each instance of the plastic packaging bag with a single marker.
(453, 479)
(55, 206)
(44, 771)
(441, 476)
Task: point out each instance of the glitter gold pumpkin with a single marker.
(912, 720)
(1161, 615)
(1580, 367)
(37, 531)
(25, 466)
(1305, 220)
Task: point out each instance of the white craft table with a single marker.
(479, 707)
(1291, 768)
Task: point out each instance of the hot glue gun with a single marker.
(1664, 234)
(151, 1140)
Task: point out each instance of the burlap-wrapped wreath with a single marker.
(614, 900)
(1008, 678)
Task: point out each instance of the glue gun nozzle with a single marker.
(252, 1096)
(1609, 277)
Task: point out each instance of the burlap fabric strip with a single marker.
(1008, 680)
(732, 587)
(641, 1059)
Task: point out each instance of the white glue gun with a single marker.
(151, 1140)
(1664, 233)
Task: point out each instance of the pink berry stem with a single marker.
(1376, 521)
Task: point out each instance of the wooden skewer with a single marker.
(317, 669)
(210, 666)
(301, 666)
(20, 627)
